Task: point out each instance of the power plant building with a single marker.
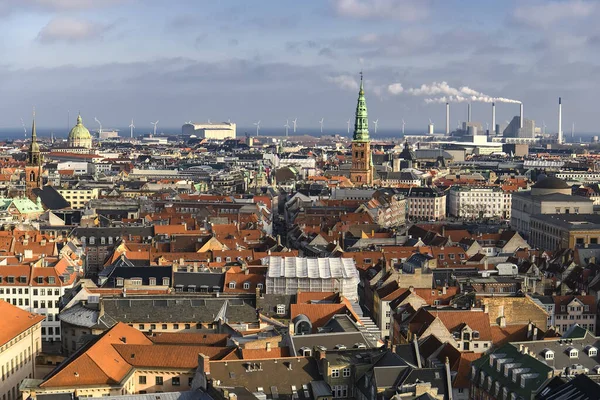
(218, 131)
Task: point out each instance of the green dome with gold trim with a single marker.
(79, 131)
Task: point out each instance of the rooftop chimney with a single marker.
(204, 362)
(268, 347)
(521, 116)
(448, 378)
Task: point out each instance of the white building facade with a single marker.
(479, 202)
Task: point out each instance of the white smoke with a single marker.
(450, 94)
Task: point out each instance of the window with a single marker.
(119, 281)
(175, 326)
(175, 381)
(346, 372)
(260, 286)
(231, 285)
(164, 326)
(141, 327)
(159, 380)
(152, 282)
(142, 379)
(246, 285)
(573, 353)
(281, 309)
(187, 326)
(165, 281)
(152, 327)
(335, 373)
(190, 379)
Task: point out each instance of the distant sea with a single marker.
(18, 133)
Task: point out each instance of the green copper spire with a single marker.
(361, 123)
(33, 130)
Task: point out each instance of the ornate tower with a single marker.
(33, 168)
(361, 172)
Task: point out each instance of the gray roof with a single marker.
(157, 309)
(190, 395)
(330, 340)
(572, 222)
(80, 315)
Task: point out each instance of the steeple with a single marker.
(361, 123)
(33, 130)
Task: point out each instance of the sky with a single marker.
(276, 60)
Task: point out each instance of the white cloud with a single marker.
(395, 88)
(344, 81)
(71, 30)
(401, 10)
(546, 14)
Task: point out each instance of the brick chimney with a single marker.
(204, 363)
(268, 346)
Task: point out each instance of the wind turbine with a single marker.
(154, 123)
(131, 128)
(403, 124)
(573, 130)
(348, 122)
(287, 127)
(295, 121)
(210, 123)
(257, 124)
(487, 126)
(321, 123)
(376, 122)
(100, 124)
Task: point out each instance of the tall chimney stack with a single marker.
(447, 118)
(469, 113)
(560, 132)
(494, 118)
(521, 116)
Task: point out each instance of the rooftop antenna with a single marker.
(24, 128)
(321, 123)
(131, 128)
(295, 121)
(376, 122)
(487, 126)
(287, 127)
(348, 122)
(257, 124)
(100, 124)
(154, 123)
(403, 124)
(572, 131)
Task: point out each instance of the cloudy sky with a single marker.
(179, 60)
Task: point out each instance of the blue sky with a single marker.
(274, 60)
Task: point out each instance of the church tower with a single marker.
(361, 172)
(33, 168)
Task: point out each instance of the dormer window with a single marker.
(573, 353)
(591, 351)
(305, 351)
(246, 285)
(548, 354)
(281, 309)
(166, 281)
(119, 281)
(40, 279)
(152, 281)
(475, 334)
(231, 285)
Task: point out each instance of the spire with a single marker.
(33, 130)
(361, 123)
(79, 120)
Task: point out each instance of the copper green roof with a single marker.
(79, 131)
(361, 123)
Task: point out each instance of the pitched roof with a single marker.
(15, 321)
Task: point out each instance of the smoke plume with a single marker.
(450, 94)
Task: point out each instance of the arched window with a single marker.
(32, 176)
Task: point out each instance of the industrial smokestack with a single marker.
(469, 113)
(494, 118)
(447, 118)
(560, 132)
(521, 116)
